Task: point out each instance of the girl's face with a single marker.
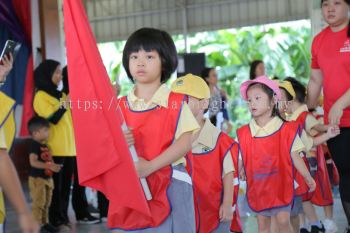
(260, 70)
(284, 103)
(335, 12)
(259, 102)
(57, 76)
(213, 77)
(145, 67)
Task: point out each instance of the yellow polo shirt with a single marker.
(310, 122)
(271, 127)
(187, 122)
(61, 136)
(207, 140)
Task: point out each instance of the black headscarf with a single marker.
(65, 80)
(43, 78)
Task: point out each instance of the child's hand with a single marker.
(67, 100)
(310, 183)
(225, 213)
(333, 131)
(326, 127)
(55, 167)
(129, 137)
(143, 167)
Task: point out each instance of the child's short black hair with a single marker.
(299, 88)
(151, 39)
(36, 123)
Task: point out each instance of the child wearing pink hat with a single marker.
(270, 150)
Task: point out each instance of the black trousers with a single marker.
(58, 212)
(340, 151)
(102, 204)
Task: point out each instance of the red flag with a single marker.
(28, 111)
(104, 160)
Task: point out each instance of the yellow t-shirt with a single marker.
(207, 139)
(187, 122)
(61, 136)
(271, 127)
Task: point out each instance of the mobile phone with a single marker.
(10, 47)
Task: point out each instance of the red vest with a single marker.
(206, 170)
(268, 167)
(154, 131)
(323, 192)
(331, 168)
(303, 188)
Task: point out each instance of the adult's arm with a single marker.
(10, 184)
(314, 88)
(336, 111)
(56, 116)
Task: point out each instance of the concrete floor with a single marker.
(249, 222)
(250, 225)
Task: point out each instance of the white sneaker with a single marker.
(330, 225)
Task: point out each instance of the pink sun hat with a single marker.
(263, 80)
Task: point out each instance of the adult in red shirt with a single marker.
(331, 70)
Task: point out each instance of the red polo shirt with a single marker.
(331, 54)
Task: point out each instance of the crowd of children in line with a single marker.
(193, 168)
(278, 154)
